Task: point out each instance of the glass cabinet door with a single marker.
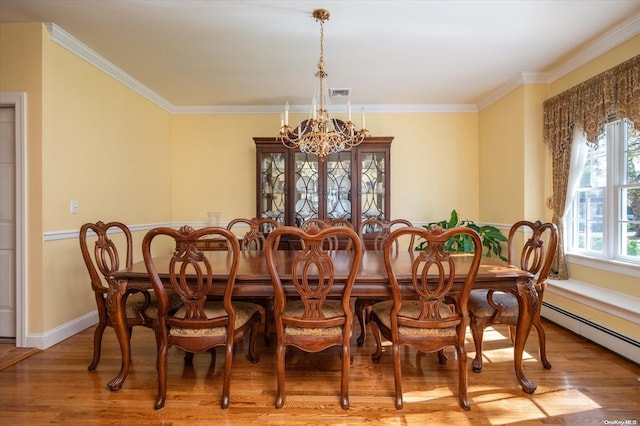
(306, 195)
(272, 184)
(373, 178)
(338, 186)
(293, 187)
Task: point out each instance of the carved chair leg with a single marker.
(97, 345)
(161, 367)
(226, 380)
(375, 330)
(360, 307)
(542, 343)
(255, 328)
(344, 380)
(397, 374)
(477, 331)
(280, 366)
(462, 377)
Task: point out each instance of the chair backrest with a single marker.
(313, 273)
(190, 273)
(380, 229)
(104, 258)
(254, 237)
(537, 251)
(432, 273)
(333, 242)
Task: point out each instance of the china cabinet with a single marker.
(293, 186)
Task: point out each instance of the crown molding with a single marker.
(525, 77)
(616, 36)
(277, 109)
(73, 45)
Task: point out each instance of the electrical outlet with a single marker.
(73, 206)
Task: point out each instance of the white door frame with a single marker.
(18, 100)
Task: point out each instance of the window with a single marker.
(604, 220)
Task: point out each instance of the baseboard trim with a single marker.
(46, 340)
(618, 343)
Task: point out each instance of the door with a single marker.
(7, 223)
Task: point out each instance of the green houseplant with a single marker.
(490, 235)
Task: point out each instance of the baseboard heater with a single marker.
(618, 343)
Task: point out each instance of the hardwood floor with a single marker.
(587, 385)
(10, 355)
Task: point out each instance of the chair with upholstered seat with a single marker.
(102, 257)
(201, 324)
(488, 307)
(430, 313)
(314, 316)
(373, 233)
(254, 232)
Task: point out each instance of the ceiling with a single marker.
(236, 54)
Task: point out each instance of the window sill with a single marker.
(608, 265)
(617, 304)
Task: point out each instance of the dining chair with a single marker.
(334, 242)
(373, 233)
(254, 231)
(313, 316)
(430, 314)
(488, 307)
(102, 257)
(200, 324)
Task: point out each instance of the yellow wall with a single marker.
(512, 158)
(21, 71)
(89, 139)
(535, 152)
(214, 163)
(106, 147)
(502, 186)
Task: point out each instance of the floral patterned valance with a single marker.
(590, 104)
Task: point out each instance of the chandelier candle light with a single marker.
(321, 134)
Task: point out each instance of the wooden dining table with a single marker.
(253, 280)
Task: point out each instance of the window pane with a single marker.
(632, 154)
(629, 223)
(598, 165)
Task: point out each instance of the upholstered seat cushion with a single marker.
(411, 309)
(331, 308)
(244, 311)
(479, 306)
(135, 300)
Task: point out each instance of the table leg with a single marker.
(527, 298)
(116, 301)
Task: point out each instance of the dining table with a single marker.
(253, 280)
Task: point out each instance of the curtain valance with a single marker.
(590, 104)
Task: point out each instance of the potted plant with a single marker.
(490, 236)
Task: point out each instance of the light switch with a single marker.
(74, 206)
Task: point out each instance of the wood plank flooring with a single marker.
(587, 385)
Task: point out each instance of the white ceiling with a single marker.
(389, 53)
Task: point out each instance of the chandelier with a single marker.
(321, 134)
